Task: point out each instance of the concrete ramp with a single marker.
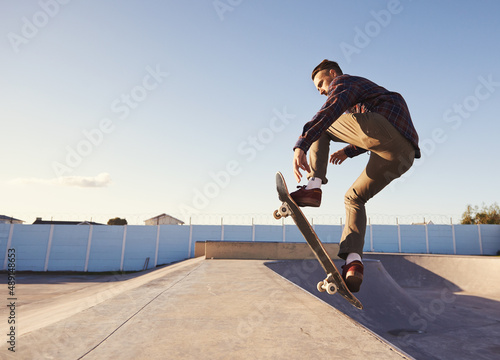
(387, 306)
(203, 309)
(430, 307)
(478, 275)
(423, 313)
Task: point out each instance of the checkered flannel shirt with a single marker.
(353, 94)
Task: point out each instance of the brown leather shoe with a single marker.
(305, 197)
(353, 275)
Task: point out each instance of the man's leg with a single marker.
(377, 175)
(391, 156)
(319, 154)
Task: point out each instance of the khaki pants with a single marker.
(391, 155)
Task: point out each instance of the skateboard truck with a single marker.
(283, 211)
(327, 285)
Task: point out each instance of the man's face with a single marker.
(323, 79)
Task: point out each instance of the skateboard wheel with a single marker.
(331, 288)
(321, 286)
(277, 215)
(284, 210)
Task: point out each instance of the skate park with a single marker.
(257, 299)
(126, 110)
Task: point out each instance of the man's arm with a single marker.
(342, 95)
(338, 157)
(352, 151)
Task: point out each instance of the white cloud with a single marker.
(101, 180)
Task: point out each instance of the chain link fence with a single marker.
(242, 219)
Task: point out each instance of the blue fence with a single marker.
(135, 247)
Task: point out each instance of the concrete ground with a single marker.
(196, 309)
(422, 307)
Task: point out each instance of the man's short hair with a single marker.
(327, 65)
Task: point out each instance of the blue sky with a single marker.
(136, 108)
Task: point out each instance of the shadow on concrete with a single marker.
(424, 314)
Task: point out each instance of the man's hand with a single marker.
(300, 162)
(338, 157)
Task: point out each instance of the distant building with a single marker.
(9, 220)
(163, 219)
(424, 223)
(39, 221)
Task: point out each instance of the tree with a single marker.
(468, 216)
(485, 215)
(117, 221)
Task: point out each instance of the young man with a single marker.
(368, 118)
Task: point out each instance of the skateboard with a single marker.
(333, 282)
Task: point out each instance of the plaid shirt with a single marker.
(353, 94)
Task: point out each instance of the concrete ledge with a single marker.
(262, 250)
(199, 249)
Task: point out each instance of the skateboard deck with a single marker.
(333, 282)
